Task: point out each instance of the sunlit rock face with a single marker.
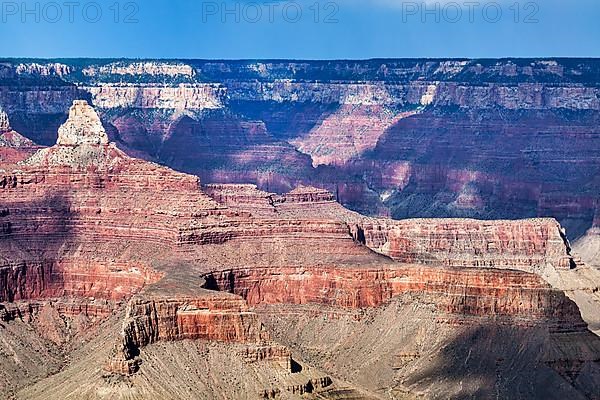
(4, 123)
(82, 141)
(82, 127)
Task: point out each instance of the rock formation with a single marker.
(82, 127)
(4, 123)
(137, 276)
(537, 246)
(13, 146)
(486, 139)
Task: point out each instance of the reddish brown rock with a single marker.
(208, 316)
(85, 221)
(69, 278)
(525, 245)
(511, 297)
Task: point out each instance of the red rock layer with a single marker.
(239, 195)
(525, 245)
(247, 196)
(509, 297)
(14, 155)
(111, 197)
(220, 233)
(306, 194)
(73, 278)
(206, 315)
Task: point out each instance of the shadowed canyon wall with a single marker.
(408, 138)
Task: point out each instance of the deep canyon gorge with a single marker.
(382, 229)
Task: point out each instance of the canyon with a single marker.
(430, 138)
(142, 282)
(379, 229)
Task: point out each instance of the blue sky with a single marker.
(226, 29)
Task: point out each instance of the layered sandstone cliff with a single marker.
(512, 297)
(527, 245)
(89, 233)
(182, 97)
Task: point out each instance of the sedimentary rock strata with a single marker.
(524, 245)
(486, 139)
(192, 97)
(156, 271)
(14, 147)
(490, 294)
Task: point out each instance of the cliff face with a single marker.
(72, 278)
(526, 245)
(192, 97)
(407, 138)
(91, 236)
(529, 245)
(489, 294)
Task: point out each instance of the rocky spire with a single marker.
(82, 127)
(82, 142)
(4, 124)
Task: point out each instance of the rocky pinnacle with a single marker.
(82, 142)
(4, 123)
(82, 127)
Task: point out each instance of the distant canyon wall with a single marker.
(406, 138)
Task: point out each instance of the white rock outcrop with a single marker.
(4, 123)
(82, 127)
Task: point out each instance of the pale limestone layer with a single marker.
(82, 127)
(4, 123)
(141, 68)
